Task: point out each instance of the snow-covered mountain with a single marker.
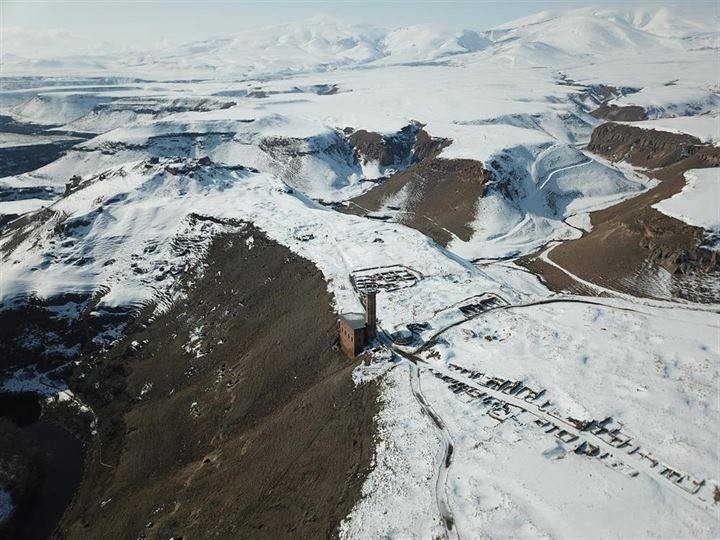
(316, 44)
(322, 44)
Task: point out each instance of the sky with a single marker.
(35, 27)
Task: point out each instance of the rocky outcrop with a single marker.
(604, 93)
(642, 147)
(436, 196)
(617, 113)
(410, 145)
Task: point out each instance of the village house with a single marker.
(358, 329)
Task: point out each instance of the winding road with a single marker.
(445, 460)
(561, 169)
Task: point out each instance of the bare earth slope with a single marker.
(437, 197)
(618, 113)
(231, 415)
(630, 242)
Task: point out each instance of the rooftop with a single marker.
(354, 320)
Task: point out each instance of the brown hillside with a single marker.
(252, 430)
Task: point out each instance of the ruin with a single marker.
(586, 438)
(472, 310)
(356, 330)
(388, 278)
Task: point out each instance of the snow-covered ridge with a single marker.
(705, 127)
(318, 44)
(662, 21)
(697, 203)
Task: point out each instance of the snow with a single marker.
(610, 363)
(13, 140)
(57, 108)
(553, 184)
(317, 44)
(483, 141)
(644, 366)
(31, 380)
(697, 203)
(22, 206)
(705, 127)
(323, 44)
(194, 345)
(401, 482)
(584, 32)
(504, 484)
(167, 149)
(580, 221)
(148, 205)
(589, 347)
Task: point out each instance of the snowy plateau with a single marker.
(537, 205)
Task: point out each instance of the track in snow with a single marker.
(553, 173)
(444, 464)
(441, 492)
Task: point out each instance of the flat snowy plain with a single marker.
(513, 95)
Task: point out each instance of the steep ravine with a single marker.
(632, 245)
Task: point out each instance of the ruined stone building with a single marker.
(358, 329)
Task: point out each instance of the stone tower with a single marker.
(370, 319)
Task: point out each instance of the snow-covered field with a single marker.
(705, 127)
(14, 140)
(697, 203)
(22, 206)
(258, 136)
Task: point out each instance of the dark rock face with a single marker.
(630, 113)
(371, 146)
(410, 145)
(20, 468)
(642, 147)
(603, 93)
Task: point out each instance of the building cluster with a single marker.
(506, 386)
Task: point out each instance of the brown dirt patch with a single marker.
(617, 113)
(440, 197)
(555, 279)
(252, 430)
(641, 147)
(630, 242)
